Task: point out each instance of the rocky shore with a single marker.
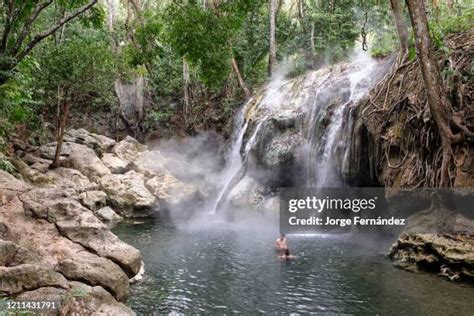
(55, 240)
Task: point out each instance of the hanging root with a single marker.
(397, 115)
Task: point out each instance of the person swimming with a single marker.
(287, 255)
(281, 243)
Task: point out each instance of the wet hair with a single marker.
(282, 235)
(287, 252)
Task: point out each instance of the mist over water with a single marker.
(216, 266)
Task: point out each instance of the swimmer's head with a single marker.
(282, 235)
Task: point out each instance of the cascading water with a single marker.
(334, 141)
(326, 97)
(237, 162)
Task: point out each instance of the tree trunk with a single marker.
(300, 8)
(60, 135)
(242, 84)
(313, 47)
(397, 9)
(186, 79)
(272, 51)
(440, 107)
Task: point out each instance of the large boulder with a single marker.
(99, 143)
(47, 151)
(31, 175)
(70, 179)
(93, 200)
(128, 149)
(149, 163)
(114, 163)
(247, 194)
(76, 156)
(94, 270)
(172, 192)
(81, 226)
(79, 299)
(28, 276)
(437, 240)
(12, 255)
(107, 214)
(10, 187)
(46, 293)
(37, 163)
(127, 192)
(278, 149)
(86, 161)
(93, 300)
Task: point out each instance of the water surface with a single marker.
(215, 267)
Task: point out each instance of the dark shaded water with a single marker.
(216, 267)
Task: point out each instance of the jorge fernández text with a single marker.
(342, 222)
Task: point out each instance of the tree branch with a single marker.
(8, 25)
(39, 37)
(27, 26)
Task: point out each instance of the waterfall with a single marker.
(331, 150)
(235, 165)
(327, 98)
(236, 162)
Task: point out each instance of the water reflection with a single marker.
(233, 269)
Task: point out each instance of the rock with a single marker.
(80, 299)
(10, 187)
(44, 294)
(86, 161)
(81, 226)
(37, 163)
(99, 143)
(451, 255)
(128, 149)
(106, 214)
(48, 151)
(77, 157)
(149, 163)
(31, 175)
(139, 276)
(94, 270)
(13, 255)
(127, 192)
(93, 200)
(114, 163)
(70, 179)
(60, 233)
(247, 194)
(88, 300)
(171, 191)
(23, 277)
(437, 240)
(278, 150)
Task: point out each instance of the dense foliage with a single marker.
(82, 47)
